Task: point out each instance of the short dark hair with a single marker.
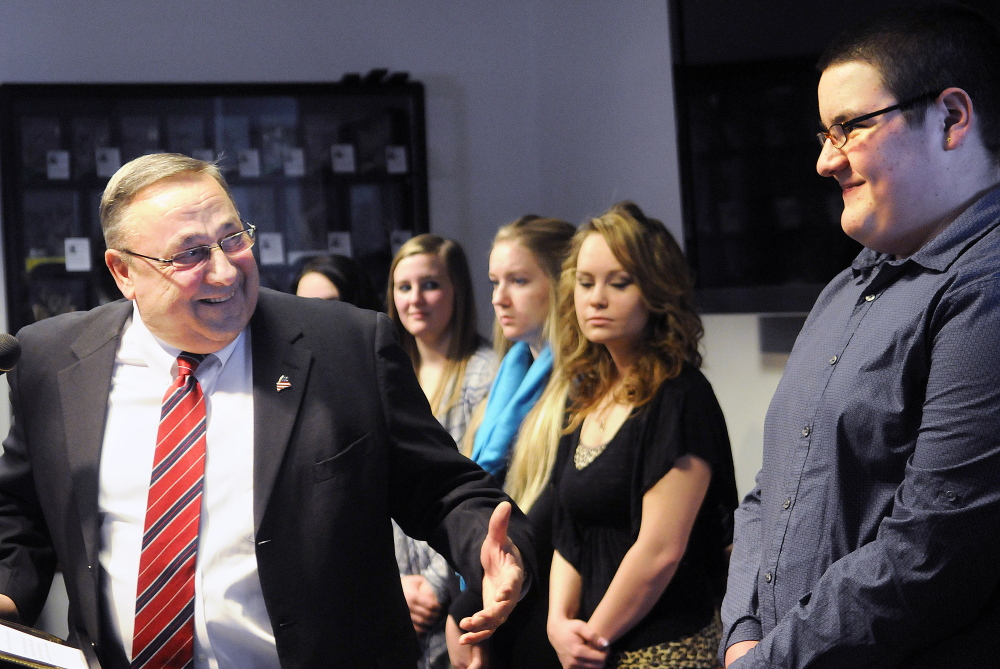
(926, 49)
(351, 281)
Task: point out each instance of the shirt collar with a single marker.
(978, 219)
(141, 347)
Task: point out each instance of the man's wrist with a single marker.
(738, 650)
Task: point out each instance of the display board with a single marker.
(317, 168)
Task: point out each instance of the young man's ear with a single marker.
(121, 270)
(957, 116)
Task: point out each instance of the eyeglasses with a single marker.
(838, 132)
(231, 245)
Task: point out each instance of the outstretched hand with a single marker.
(503, 578)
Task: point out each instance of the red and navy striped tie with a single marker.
(164, 608)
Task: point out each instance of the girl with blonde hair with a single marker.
(431, 303)
(525, 265)
(643, 481)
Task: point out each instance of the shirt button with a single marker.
(768, 577)
(787, 503)
(950, 495)
(833, 360)
(806, 430)
(869, 298)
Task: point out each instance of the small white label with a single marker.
(57, 164)
(339, 243)
(295, 162)
(342, 158)
(249, 162)
(272, 248)
(397, 238)
(108, 160)
(395, 160)
(77, 251)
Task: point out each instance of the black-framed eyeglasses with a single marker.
(838, 132)
(231, 245)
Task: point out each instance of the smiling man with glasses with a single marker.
(232, 245)
(838, 133)
(870, 538)
(188, 296)
(214, 465)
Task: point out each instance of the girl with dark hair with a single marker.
(336, 277)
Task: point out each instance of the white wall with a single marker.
(556, 107)
(744, 380)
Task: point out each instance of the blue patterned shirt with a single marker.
(872, 535)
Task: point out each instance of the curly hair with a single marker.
(647, 251)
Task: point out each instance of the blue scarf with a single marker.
(518, 385)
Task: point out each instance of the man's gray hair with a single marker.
(139, 174)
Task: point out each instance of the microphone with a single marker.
(10, 353)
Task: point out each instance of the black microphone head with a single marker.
(10, 352)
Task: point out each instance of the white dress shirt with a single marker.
(231, 624)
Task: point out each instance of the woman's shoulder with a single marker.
(690, 384)
(484, 360)
(485, 352)
(686, 407)
(480, 370)
(682, 418)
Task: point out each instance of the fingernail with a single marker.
(604, 642)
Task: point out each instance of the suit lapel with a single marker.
(84, 388)
(86, 385)
(277, 359)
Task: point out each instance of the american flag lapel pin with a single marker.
(282, 383)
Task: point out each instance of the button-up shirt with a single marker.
(872, 535)
(232, 628)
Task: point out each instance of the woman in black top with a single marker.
(644, 484)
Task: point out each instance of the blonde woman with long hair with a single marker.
(525, 265)
(431, 303)
(524, 268)
(643, 482)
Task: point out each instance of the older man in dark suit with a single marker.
(214, 466)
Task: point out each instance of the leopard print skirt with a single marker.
(698, 651)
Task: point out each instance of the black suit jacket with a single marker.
(348, 445)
